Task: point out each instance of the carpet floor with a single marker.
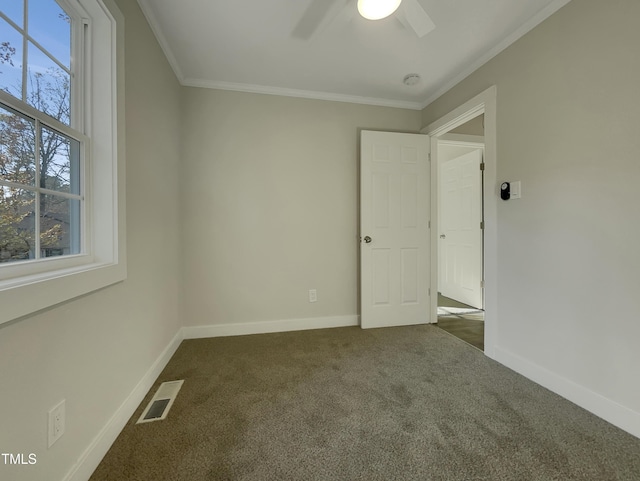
(408, 403)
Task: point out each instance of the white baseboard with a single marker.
(612, 412)
(241, 329)
(94, 453)
(616, 414)
(91, 457)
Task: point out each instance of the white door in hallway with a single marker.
(394, 229)
(460, 229)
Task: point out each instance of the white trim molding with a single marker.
(57, 280)
(164, 45)
(92, 456)
(436, 91)
(612, 412)
(483, 103)
(471, 67)
(305, 94)
(264, 327)
(148, 11)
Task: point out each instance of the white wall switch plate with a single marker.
(313, 295)
(516, 190)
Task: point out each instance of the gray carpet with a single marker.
(410, 403)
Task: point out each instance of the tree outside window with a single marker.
(40, 188)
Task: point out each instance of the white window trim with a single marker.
(105, 261)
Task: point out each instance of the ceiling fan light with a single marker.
(377, 9)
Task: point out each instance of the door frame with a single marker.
(483, 103)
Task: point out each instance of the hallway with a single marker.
(462, 321)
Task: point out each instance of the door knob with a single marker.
(367, 239)
(442, 236)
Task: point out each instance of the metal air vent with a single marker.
(159, 406)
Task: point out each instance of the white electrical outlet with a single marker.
(57, 419)
(313, 295)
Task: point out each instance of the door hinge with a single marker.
(482, 284)
(429, 225)
(481, 165)
(429, 156)
(429, 290)
(482, 225)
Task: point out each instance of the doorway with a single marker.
(482, 104)
(460, 157)
(475, 319)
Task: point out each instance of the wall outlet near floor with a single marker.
(313, 295)
(57, 419)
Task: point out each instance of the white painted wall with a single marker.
(271, 205)
(568, 110)
(94, 350)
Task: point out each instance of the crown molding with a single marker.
(157, 31)
(529, 25)
(307, 94)
(543, 14)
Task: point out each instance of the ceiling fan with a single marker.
(321, 13)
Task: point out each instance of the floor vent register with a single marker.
(159, 406)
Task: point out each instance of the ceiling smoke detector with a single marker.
(411, 79)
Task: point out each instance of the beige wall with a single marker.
(269, 209)
(568, 111)
(94, 350)
(475, 126)
(271, 204)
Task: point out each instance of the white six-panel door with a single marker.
(460, 231)
(394, 228)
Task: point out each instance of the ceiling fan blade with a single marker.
(413, 16)
(315, 14)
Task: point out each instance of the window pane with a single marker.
(17, 224)
(59, 162)
(59, 226)
(50, 26)
(17, 145)
(14, 9)
(48, 86)
(10, 59)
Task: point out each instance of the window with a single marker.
(41, 196)
(41, 159)
(62, 225)
(36, 49)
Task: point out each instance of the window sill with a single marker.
(26, 295)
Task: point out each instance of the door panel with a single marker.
(380, 276)
(394, 213)
(410, 258)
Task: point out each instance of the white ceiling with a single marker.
(253, 45)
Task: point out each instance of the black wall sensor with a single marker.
(505, 191)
